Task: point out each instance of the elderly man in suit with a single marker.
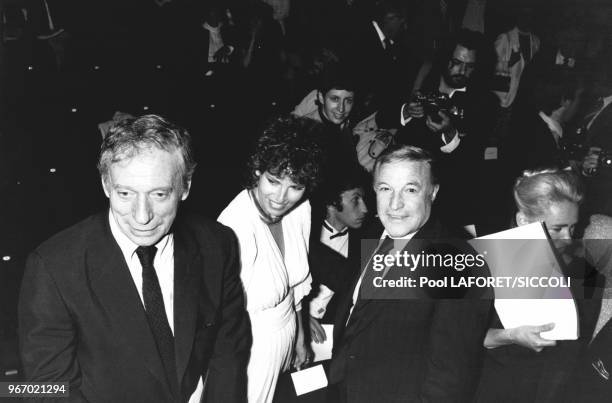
(137, 304)
(411, 349)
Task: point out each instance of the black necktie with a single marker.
(156, 314)
(338, 234)
(384, 248)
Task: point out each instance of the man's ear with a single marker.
(434, 192)
(105, 186)
(320, 98)
(186, 190)
(521, 219)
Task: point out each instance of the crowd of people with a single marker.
(407, 123)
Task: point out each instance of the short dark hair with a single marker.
(382, 8)
(471, 40)
(337, 77)
(288, 146)
(131, 136)
(351, 176)
(396, 153)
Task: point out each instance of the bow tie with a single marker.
(341, 233)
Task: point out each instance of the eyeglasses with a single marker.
(468, 65)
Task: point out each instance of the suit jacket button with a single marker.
(208, 324)
(352, 357)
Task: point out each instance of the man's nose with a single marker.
(142, 213)
(341, 107)
(462, 68)
(565, 234)
(397, 202)
(362, 207)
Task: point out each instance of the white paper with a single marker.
(535, 312)
(529, 258)
(309, 379)
(323, 351)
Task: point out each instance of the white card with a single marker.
(323, 351)
(309, 379)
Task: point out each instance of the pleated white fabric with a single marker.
(274, 287)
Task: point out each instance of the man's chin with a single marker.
(145, 238)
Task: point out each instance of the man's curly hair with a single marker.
(290, 146)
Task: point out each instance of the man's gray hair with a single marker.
(131, 136)
(398, 153)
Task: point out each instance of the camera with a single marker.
(435, 102)
(574, 148)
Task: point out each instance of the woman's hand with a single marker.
(303, 355)
(526, 336)
(529, 336)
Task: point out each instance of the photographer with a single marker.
(451, 117)
(537, 130)
(596, 165)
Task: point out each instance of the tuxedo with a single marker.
(406, 350)
(330, 268)
(81, 319)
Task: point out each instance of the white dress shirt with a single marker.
(164, 268)
(318, 305)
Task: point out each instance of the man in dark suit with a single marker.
(373, 52)
(136, 304)
(392, 350)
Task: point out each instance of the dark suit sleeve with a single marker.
(457, 333)
(226, 380)
(47, 333)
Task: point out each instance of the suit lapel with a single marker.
(187, 281)
(601, 121)
(365, 310)
(112, 284)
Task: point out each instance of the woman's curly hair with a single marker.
(290, 146)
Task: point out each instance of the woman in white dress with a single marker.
(271, 219)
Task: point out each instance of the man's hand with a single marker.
(222, 55)
(317, 333)
(590, 163)
(529, 336)
(413, 110)
(445, 126)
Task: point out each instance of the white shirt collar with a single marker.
(381, 35)
(552, 124)
(212, 29)
(385, 234)
(452, 90)
(128, 248)
(330, 228)
(606, 101)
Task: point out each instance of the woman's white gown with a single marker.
(274, 287)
